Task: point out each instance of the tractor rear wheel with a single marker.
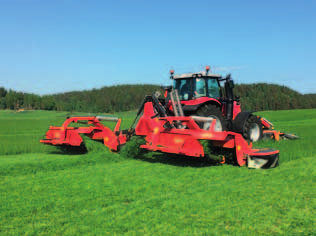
(253, 129)
(212, 111)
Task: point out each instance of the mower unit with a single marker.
(180, 135)
(70, 136)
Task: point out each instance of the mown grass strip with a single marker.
(136, 197)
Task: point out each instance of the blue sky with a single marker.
(56, 46)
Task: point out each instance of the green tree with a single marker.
(3, 92)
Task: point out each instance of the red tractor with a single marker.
(201, 94)
(197, 122)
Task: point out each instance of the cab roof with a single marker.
(196, 74)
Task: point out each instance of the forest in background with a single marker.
(254, 97)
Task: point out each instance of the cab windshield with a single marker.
(190, 88)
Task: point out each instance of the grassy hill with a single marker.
(46, 192)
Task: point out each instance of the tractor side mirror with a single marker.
(231, 84)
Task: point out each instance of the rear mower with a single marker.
(201, 94)
(180, 135)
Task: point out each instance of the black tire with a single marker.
(209, 110)
(252, 130)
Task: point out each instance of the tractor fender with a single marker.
(240, 120)
(191, 109)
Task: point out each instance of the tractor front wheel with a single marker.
(253, 129)
(212, 111)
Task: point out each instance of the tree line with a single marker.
(265, 97)
(255, 97)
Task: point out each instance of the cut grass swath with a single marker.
(132, 148)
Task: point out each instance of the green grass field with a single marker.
(47, 192)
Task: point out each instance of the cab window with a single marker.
(200, 88)
(184, 87)
(213, 88)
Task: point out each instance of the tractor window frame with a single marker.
(218, 86)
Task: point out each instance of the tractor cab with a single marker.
(197, 90)
(197, 85)
(200, 94)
